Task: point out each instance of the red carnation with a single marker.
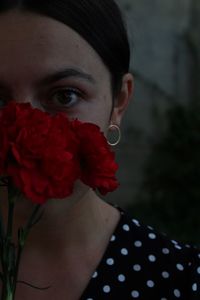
(98, 166)
(41, 152)
(44, 155)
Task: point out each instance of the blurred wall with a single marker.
(162, 37)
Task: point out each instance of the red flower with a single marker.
(4, 145)
(98, 166)
(41, 152)
(44, 155)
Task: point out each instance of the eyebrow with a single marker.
(66, 73)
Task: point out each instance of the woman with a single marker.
(73, 56)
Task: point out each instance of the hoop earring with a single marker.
(118, 138)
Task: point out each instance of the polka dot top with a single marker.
(140, 263)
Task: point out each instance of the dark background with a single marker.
(159, 155)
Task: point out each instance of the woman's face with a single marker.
(46, 63)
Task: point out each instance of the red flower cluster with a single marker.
(97, 161)
(44, 155)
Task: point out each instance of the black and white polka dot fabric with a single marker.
(141, 264)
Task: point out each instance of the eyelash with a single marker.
(68, 92)
(48, 102)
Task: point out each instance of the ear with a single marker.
(122, 100)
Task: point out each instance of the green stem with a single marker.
(33, 218)
(2, 239)
(17, 269)
(11, 204)
(21, 242)
(8, 296)
(10, 263)
(2, 230)
(7, 249)
(6, 293)
(8, 258)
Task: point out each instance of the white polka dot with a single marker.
(138, 244)
(174, 242)
(163, 299)
(178, 247)
(165, 274)
(165, 251)
(194, 287)
(136, 222)
(198, 270)
(198, 255)
(150, 283)
(177, 293)
(106, 289)
(121, 278)
(126, 227)
(180, 267)
(152, 236)
(151, 228)
(110, 261)
(113, 238)
(89, 299)
(124, 251)
(152, 258)
(137, 268)
(189, 264)
(95, 275)
(135, 294)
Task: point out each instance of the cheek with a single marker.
(96, 110)
(100, 115)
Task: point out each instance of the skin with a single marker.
(73, 232)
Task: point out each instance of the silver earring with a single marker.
(118, 137)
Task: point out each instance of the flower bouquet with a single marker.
(41, 157)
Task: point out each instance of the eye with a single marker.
(64, 98)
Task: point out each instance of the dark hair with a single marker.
(99, 22)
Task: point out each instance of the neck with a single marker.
(68, 224)
(67, 244)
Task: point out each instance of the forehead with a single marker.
(34, 43)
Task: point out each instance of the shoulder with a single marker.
(153, 260)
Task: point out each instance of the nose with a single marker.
(33, 103)
(21, 92)
(22, 96)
